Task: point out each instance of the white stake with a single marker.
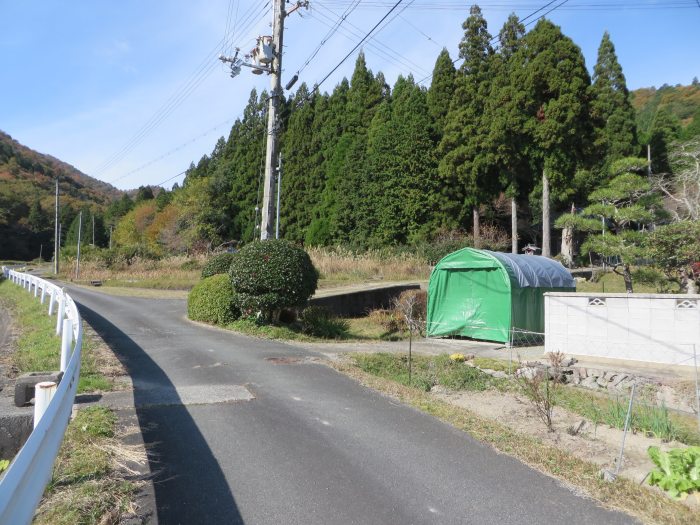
(43, 393)
(66, 341)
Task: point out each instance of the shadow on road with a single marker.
(189, 486)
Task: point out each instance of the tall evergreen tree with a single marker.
(441, 92)
(506, 138)
(612, 113)
(467, 172)
(552, 72)
(401, 160)
(299, 191)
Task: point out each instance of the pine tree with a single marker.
(441, 92)
(467, 174)
(612, 113)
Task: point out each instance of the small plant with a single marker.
(213, 300)
(677, 472)
(218, 264)
(4, 464)
(271, 275)
(541, 385)
(457, 358)
(320, 322)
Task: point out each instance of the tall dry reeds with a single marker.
(342, 264)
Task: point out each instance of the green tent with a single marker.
(484, 294)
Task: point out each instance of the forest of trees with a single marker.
(517, 136)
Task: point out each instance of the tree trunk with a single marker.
(627, 276)
(567, 246)
(513, 226)
(477, 233)
(688, 282)
(546, 243)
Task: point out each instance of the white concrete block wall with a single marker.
(656, 328)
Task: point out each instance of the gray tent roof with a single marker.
(534, 271)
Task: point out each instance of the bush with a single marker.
(217, 265)
(272, 275)
(320, 322)
(213, 300)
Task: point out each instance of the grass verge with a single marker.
(86, 487)
(648, 505)
(428, 371)
(38, 348)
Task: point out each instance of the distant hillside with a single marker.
(27, 188)
(682, 103)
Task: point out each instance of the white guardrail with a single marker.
(24, 482)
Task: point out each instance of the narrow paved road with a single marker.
(310, 446)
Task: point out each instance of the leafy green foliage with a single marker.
(320, 322)
(271, 275)
(213, 300)
(427, 371)
(675, 248)
(626, 201)
(677, 472)
(218, 264)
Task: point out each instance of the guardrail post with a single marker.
(43, 393)
(43, 293)
(61, 314)
(66, 341)
(36, 288)
(51, 302)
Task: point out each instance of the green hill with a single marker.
(27, 189)
(680, 103)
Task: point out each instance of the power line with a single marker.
(172, 151)
(328, 35)
(381, 50)
(494, 38)
(318, 84)
(187, 88)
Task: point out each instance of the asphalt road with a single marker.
(240, 438)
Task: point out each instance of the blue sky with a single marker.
(81, 79)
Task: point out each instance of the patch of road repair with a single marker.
(172, 396)
(291, 360)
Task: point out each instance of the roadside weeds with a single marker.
(649, 505)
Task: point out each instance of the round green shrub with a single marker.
(218, 264)
(213, 300)
(271, 275)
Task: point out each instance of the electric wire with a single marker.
(496, 37)
(329, 35)
(380, 46)
(382, 51)
(174, 150)
(318, 84)
(204, 69)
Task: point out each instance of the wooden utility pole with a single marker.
(649, 160)
(56, 241)
(273, 127)
(93, 230)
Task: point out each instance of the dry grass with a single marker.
(648, 505)
(338, 265)
(173, 273)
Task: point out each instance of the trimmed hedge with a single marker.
(271, 275)
(213, 300)
(218, 264)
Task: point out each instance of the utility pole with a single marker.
(77, 261)
(56, 241)
(272, 124)
(649, 160)
(93, 230)
(111, 227)
(267, 57)
(279, 191)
